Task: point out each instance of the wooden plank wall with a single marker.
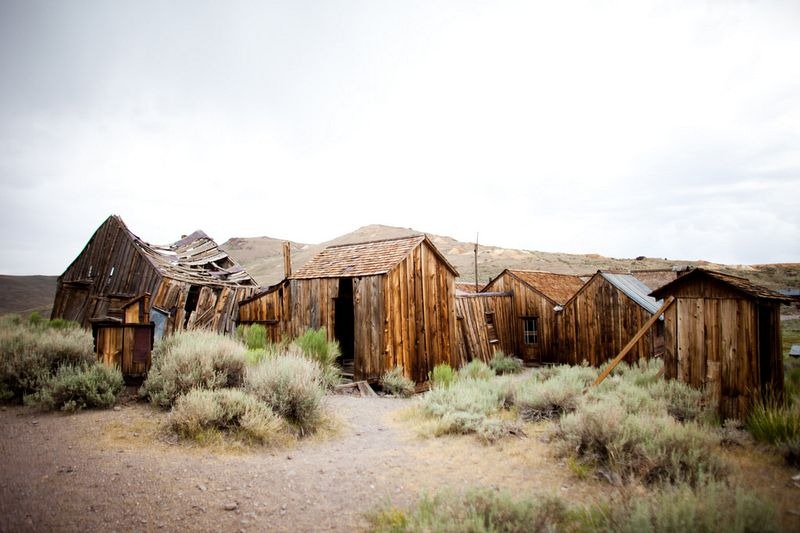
(270, 310)
(420, 323)
(473, 332)
(711, 341)
(115, 345)
(598, 322)
(530, 303)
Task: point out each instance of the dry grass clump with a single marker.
(292, 385)
(503, 364)
(193, 360)
(549, 399)
(202, 415)
(396, 383)
(476, 369)
(708, 507)
(468, 406)
(647, 446)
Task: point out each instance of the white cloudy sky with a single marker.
(623, 128)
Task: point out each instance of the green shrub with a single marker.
(36, 320)
(475, 369)
(192, 360)
(201, 413)
(650, 447)
(503, 364)
(584, 375)
(254, 336)
(29, 356)
(774, 422)
(291, 385)
(396, 383)
(549, 399)
(77, 387)
(442, 375)
(468, 406)
(314, 344)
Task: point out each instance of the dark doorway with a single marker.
(344, 322)
(770, 357)
(191, 303)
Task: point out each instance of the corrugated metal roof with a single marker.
(558, 287)
(362, 259)
(634, 289)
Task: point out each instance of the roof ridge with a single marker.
(409, 237)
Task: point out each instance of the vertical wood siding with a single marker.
(598, 322)
(714, 339)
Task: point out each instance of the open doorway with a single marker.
(344, 325)
(191, 303)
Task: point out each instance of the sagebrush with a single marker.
(78, 387)
(396, 383)
(193, 360)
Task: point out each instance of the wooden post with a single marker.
(287, 259)
(477, 289)
(628, 347)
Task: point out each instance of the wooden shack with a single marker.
(606, 313)
(126, 344)
(537, 299)
(388, 303)
(485, 325)
(193, 283)
(723, 333)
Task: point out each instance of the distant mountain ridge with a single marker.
(263, 258)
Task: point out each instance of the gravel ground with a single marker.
(114, 471)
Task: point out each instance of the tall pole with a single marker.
(476, 262)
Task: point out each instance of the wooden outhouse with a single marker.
(193, 283)
(485, 323)
(388, 303)
(606, 313)
(723, 333)
(537, 300)
(127, 343)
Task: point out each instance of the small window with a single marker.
(530, 330)
(489, 318)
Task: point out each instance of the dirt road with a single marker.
(108, 470)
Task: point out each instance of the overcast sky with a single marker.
(622, 128)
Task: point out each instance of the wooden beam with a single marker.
(628, 347)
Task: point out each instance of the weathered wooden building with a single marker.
(388, 303)
(606, 313)
(537, 299)
(191, 282)
(723, 333)
(485, 325)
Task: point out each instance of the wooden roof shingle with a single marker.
(363, 259)
(557, 287)
(741, 284)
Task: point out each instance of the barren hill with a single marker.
(25, 294)
(263, 258)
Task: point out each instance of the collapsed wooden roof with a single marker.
(195, 259)
(559, 288)
(364, 259)
(742, 285)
